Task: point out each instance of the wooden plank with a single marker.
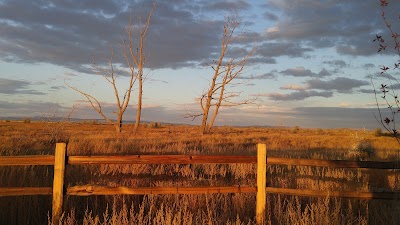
(58, 182)
(261, 182)
(87, 190)
(21, 191)
(204, 159)
(343, 194)
(160, 159)
(28, 160)
(333, 163)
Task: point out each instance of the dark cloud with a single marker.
(12, 87)
(368, 91)
(57, 88)
(369, 66)
(302, 72)
(298, 95)
(337, 117)
(270, 16)
(395, 86)
(247, 37)
(356, 50)
(261, 60)
(265, 76)
(281, 49)
(311, 88)
(31, 108)
(229, 6)
(70, 35)
(337, 63)
(340, 84)
(349, 25)
(380, 76)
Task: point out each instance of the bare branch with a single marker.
(224, 72)
(92, 100)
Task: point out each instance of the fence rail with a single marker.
(21, 191)
(332, 163)
(37, 160)
(160, 159)
(27, 160)
(87, 190)
(60, 159)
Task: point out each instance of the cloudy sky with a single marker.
(312, 66)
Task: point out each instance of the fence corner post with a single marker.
(261, 182)
(58, 181)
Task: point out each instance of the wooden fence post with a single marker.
(58, 182)
(261, 182)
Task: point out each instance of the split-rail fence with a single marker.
(60, 159)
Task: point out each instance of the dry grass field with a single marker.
(18, 138)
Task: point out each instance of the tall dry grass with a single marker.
(98, 139)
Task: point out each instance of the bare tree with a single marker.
(225, 72)
(387, 88)
(134, 58)
(135, 61)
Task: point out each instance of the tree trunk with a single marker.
(139, 105)
(203, 128)
(118, 124)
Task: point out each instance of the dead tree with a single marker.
(224, 73)
(135, 60)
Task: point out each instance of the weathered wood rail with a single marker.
(37, 160)
(60, 159)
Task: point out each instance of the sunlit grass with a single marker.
(97, 139)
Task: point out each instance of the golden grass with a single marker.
(97, 139)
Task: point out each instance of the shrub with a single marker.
(378, 132)
(295, 129)
(27, 120)
(362, 146)
(154, 125)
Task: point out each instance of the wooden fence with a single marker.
(60, 159)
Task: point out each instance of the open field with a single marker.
(97, 139)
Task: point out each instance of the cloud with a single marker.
(265, 76)
(337, 63)
(70, 35)
(340, 84)
(368, 91)
(30, 108)
(395, 86)
(326, 24)
(261, 60)
(281, 49)
(247, 37)
(302, 72)
(311, 87)
(356, 50)
(337, 117)
(294, 87)
(57, 88)
(12, 87)
(369, 66)
(270, 16)
(382, 75)
(228, 6)
(298, 95)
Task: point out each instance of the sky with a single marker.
(312, 66)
